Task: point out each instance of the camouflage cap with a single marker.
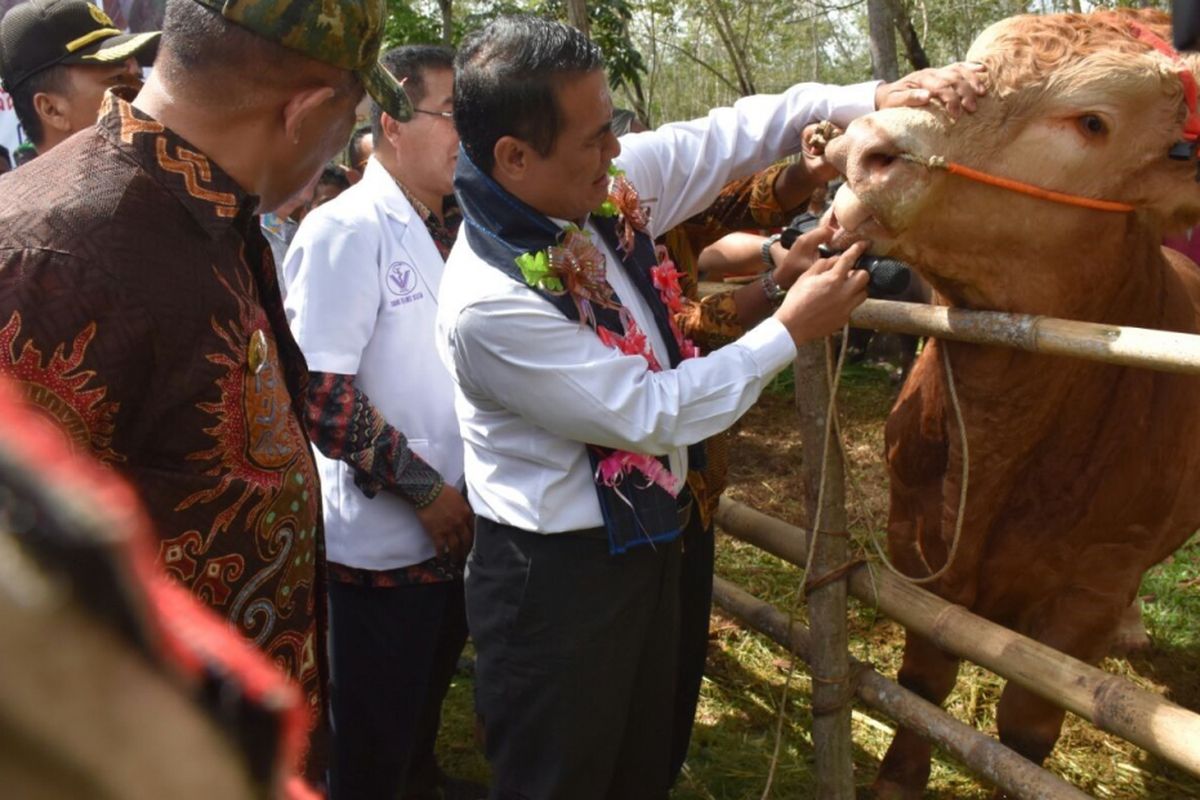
(342, 33)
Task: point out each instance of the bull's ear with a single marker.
(1175, 187)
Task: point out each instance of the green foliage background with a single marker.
(668, 58)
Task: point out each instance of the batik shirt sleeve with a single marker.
(344, 425)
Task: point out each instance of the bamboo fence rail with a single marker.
(1112, 344)
(1153, 723)
(977, 751)
(1166, 351)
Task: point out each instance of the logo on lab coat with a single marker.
(401, 279)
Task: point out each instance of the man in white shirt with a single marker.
(362, 277)
(578, 399)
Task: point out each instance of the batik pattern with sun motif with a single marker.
(139, 310)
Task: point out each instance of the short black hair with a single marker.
(409, 64)
(52, 79)
(356, 158)
(505, 83)
(333, 175)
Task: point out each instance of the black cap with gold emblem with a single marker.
(39, 34)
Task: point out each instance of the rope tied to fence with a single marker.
(838, 573)
(849, 683)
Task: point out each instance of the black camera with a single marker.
(889, 277)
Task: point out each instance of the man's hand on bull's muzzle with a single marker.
(820, 301)
(956, 87)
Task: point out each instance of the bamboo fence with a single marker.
(1143, 718)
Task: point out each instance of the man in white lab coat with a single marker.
(362, 280)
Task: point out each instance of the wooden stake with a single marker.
(826, 604)
(1153, 723)
(980, 753)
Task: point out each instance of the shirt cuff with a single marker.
(331, 362)
(770, 346)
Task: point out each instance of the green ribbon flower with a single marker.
(608, 208)
(535, 268)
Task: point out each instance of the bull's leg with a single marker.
(930, 673)
(1131, 637)
(1079, 623)
(1027, 724)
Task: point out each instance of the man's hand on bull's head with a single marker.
(820, 301)
(813, 139)
(956, 87)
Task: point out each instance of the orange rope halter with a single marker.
(937, 162)
(1191, 133)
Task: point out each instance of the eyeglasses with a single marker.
(443, 114)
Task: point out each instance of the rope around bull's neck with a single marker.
(830, 425)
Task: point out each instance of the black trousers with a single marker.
(695, 608)
(393, 652)
(576, 655)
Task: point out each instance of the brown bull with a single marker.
(1082, 475)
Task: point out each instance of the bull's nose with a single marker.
(865, 153)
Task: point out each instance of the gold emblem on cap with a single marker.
(99, 15)
(256, 352)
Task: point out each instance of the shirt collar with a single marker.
(210, 195)
(423, 211)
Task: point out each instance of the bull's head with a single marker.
(1076, 104)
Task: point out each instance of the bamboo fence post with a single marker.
(826, 604)
(1143, 718)
(980, 753)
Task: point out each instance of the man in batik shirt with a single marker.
(139, 307)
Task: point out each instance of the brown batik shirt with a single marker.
(139, 311)
(713, 321)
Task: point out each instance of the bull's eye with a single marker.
(1092, 125)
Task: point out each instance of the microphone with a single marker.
(888, 275)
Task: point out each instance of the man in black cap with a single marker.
(58, 58)
(140, 311)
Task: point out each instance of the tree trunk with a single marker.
(908, 34)
(881, 24)
(577, 16)
(737, 56)
(447, 7)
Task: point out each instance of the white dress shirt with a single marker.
(532, 387)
